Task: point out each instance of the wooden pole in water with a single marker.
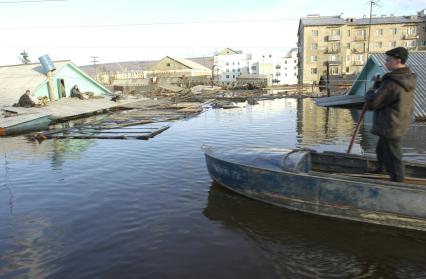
(361, 117)
(51, 86)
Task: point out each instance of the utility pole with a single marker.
(94, 61)
(372, 2)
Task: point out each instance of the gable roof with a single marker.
(185, 62)
(15, 79)
(228, 51)
(417, 63)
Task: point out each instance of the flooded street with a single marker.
(76, 208)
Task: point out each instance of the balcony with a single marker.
(410, 37)
(358, 50)
(333, 38)
(332, 50)
(334, 62)
(357, 63)
(360, 38)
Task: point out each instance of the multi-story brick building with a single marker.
(345, 43)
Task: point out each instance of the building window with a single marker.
(379, 44)
(278, 74)
(227, 70)
(334, 70)
(393, 31)
(238, 70)
(392, 44)
(227, 76)
(253, 68)
(332, 58)
(285, 62)
(348, 45)
(233, 70)
(295, 61)
(335, 32)
(424, 43)
(347, 69)
(349, 33)
(412, 30)
(314, 58)
(410, 43)
(359, 58)
(379, 32)
(314, 71)
(227, 64)
(314, 46)
(278, 67)
(314, 33)
(233, 76)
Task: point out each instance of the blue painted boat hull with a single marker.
(38, 124)
(263, 177)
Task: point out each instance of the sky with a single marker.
(134, 30)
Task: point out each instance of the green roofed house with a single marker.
(376, 66)
(16, 79)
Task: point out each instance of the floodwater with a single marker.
(148, 209)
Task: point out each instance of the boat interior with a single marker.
(361, 166)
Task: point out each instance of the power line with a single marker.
(30, 1)
(149, 24)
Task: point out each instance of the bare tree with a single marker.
(24, 57)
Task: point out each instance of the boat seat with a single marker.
(298, 160)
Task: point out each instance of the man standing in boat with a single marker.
(392, 100)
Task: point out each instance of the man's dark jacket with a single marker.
(393, 103)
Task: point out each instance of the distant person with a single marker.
(391, 98)
(322, 82)
(27, 100)
(76, 93)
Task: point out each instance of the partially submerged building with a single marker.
(16, 79)
(375, 65)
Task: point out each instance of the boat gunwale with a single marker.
(334, 176)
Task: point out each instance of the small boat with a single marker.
(326, 183)
(25, 123)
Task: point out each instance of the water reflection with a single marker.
(307, 246)
(134, 209)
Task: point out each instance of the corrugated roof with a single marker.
(417, 63)
(15, 79)
(336, 20)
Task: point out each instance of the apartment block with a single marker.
(344, 43)
(279, 66)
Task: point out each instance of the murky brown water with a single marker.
(148, 209)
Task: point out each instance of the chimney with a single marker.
(48, 67)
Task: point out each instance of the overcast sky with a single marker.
(148, 30)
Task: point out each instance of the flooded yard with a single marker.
(104, 208)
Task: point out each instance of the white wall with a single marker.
(283, 70)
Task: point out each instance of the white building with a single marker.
(279, 66)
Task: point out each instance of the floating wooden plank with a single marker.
(85, 132)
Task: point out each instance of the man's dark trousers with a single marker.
(389, 155)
